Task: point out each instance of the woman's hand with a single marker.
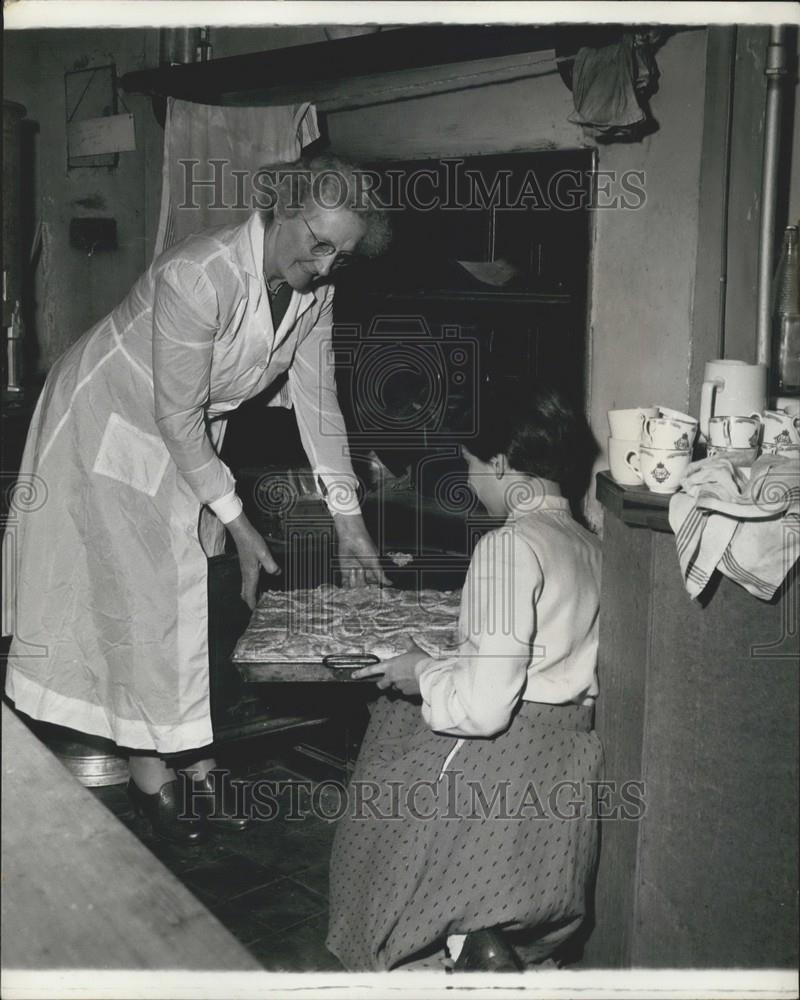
(254, 555)
(358, 556)
(399, 672)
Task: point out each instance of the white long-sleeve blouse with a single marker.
(528, 625)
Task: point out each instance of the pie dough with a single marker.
(304, 626)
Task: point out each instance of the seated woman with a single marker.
(472, 815)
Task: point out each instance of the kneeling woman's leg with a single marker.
(483, 837)
(382, 843)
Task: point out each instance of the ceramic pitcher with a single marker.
(732, 388)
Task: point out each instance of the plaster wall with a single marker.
(72, 289)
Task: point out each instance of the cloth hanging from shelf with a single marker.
(747, 528)
(204, 148)
(610, 86)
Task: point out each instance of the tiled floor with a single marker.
(267, 885)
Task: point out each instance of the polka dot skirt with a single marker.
(502, 837)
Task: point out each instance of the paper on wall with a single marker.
(95, 136)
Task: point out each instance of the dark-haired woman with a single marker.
(474, 816)
(111, 584)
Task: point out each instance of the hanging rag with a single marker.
(745, 526)
(204, 147)
(610, 86)
(204, 144)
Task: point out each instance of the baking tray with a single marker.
(435, 571)
(335, 669)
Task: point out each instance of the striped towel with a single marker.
(744, 523)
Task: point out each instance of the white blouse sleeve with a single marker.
(475, 693)
(312, 382)
(185, 321)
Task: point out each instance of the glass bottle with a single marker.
(786, 318)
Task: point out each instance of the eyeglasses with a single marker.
(320, 248)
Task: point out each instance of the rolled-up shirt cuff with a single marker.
(227, 508)
(435, 692)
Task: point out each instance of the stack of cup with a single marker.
(623, 445)
(781, 433)
(666, 449)
(735, 438)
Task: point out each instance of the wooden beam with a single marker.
(304, 67)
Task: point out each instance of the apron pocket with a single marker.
(132, 456)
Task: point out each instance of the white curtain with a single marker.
(224, 145)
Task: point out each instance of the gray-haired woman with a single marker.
(111, 600)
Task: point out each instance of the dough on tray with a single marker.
(307, 625)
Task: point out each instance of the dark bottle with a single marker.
(786, 318)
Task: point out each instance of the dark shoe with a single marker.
(487, 951)
(163, 810)
(214, 799)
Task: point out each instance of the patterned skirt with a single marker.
(445, 836)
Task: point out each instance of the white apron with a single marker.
(111, 574)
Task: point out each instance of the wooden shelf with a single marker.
(634, 505)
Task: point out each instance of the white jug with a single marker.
(732, 388)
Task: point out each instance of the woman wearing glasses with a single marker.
(111, 605)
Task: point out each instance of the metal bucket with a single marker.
(94, 762)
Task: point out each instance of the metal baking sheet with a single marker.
(294, 673)
(307, 670)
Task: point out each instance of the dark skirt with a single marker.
(445, 836)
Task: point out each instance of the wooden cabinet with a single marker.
(699, 700)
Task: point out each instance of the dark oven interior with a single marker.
(416, 331)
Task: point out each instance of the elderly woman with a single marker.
(111, 603)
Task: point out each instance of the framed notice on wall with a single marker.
(96, 133)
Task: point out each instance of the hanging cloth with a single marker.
(211, 156)
(610, 85)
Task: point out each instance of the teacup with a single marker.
(781, 430)
(623, 462)
(664, 432)
(788, 404)
(691, 422)
(734, 432)
(737, 456)
(626, 425)
(663, 468)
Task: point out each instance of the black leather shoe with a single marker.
(487, 951)
(163, 809)
(215, 800)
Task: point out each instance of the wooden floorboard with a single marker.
(79, 889)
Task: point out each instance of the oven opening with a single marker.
(486, 279)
